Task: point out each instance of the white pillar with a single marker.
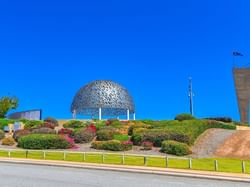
(74, 114)
(100, 113)
(134, 116)
(128, 114)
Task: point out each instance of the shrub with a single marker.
(83, 136)
(126, 145)
(222, 119)
(182, 117)
(147, 145)
(136, 139)
(9, 141)
(100, 124)
(43, 141)
(132, 128)
(175, 148)
(31, 124)
(65, 131)
(2, 134)
(114, 122)
(218, 124)
(20, 133)
(92, 128)
(50, 123)
(158, 136)
(112, 145)
(121, 137)
(43, 130)
(5, 122)
(107, 134)
(70, 141)
(74, 124)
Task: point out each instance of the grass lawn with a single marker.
(224, 165)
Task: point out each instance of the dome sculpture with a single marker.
(103, 98)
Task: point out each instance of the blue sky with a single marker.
(49, 49)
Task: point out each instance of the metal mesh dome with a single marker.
(114, 99)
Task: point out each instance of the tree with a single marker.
(7, 104)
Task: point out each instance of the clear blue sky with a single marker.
(49, 49)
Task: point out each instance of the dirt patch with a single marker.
(209, 141)
(237, 146)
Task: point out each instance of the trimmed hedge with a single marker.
(132, 128)
(74, 124)
(43, 130)
(112, 145)
(175, 148)
(182, 117)
(157, 136)
(106, 134)
(83, 136)
(43, 141)
(2, 134)
(31, 124)
(222, 119)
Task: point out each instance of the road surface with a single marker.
(19, 175)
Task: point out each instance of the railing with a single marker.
(122, 159)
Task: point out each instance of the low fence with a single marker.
(129, 159)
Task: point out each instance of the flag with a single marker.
(236, 53)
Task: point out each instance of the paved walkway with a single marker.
(207, 143)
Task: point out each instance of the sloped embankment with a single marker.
(237, 146)
(207, 143)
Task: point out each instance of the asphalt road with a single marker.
(19, 175)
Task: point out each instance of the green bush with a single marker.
(31, 124)
(132, 128)
(20, 133)
(175, 148)
(5, 122)
(106, 134)
(100, 124)
(43, 130)
(74, 124)
(182, 117)
(121, 137)
(2, 134)
(222, 119)
(157, 136)
(112, 145)
(136, 139)
(43, 141)
(9, 141)
(83, 136)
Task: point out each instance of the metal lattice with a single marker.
(108, 95)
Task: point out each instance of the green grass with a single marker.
(224, 165)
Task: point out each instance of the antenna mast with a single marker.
(191, 95)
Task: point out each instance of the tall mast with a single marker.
(191, 95)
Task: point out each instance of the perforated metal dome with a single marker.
(112, 98)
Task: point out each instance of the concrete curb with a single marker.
(135, 169)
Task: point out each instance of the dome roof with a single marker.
(114, 99)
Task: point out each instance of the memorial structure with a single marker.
(103, 98)
(242, 86)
